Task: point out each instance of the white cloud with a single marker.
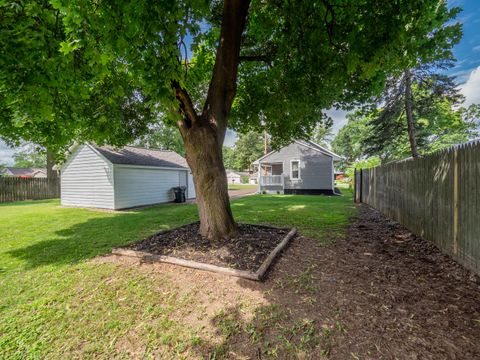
(6, 154)
(476, 48)
(471, 88)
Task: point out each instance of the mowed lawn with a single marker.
(56, 302)
(242, 186)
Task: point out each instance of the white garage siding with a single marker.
(87, 180)
(191, 187)
(136, 186)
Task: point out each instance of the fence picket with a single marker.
(16, 189)
(435, 196)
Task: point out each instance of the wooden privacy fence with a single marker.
(436, 197)
(14, 189)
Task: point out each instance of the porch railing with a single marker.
(267, 180)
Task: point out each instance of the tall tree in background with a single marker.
(162, 136)
(414, 93)
(248, 148)
(30, 156)
(441, 125)
(422, 106)
(78, 69)
(229, 157)
(349, 140)
(323, 133)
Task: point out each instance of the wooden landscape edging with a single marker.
(257, 275)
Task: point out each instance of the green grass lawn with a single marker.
(241, 186)
(56, 302)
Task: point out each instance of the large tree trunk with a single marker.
(50, 163)
(203, 134)
(409, 114)
(204, 156)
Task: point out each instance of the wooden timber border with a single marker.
(257, 275)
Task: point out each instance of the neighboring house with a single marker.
(301, 167)
(235, 177)
(339, 175)
(25, 172)
(253, 178)
(105, 177)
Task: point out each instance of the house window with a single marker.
(295, 170)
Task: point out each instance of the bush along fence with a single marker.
(436, 197)
(15, 189)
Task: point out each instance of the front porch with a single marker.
(271, 178)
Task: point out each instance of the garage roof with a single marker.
(132, 155)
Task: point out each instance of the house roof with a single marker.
(311, 145)
(321, 149)
(132, 155)
(15, 171)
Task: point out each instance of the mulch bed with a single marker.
(245, 252)
(384, 292)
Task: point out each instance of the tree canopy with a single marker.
(162, 136)
(77, 69)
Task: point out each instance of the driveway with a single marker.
(234, 194)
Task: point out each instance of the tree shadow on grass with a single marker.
(98, 235)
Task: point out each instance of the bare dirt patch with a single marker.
(378, 293)
(247, 251)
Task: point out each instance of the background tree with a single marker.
(323, 133)
(437, 120)
(349, 140)
(415, 94)
(30, 156)
(441, 125)
(106, 69)
(248, 148)
(229, 157)
(162, 136)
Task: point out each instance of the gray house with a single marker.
(301, 167)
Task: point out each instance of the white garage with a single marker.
(109, 178)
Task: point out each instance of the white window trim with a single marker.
(291, 170)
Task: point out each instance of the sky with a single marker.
(466, 70)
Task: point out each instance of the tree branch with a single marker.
(264, 58)
(223, 85)
(186, 105)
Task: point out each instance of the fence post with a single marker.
(355, 190)
(358, 177)
(361, 186)
(455, 201)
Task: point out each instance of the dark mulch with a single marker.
(379, 293)
(245, 252)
